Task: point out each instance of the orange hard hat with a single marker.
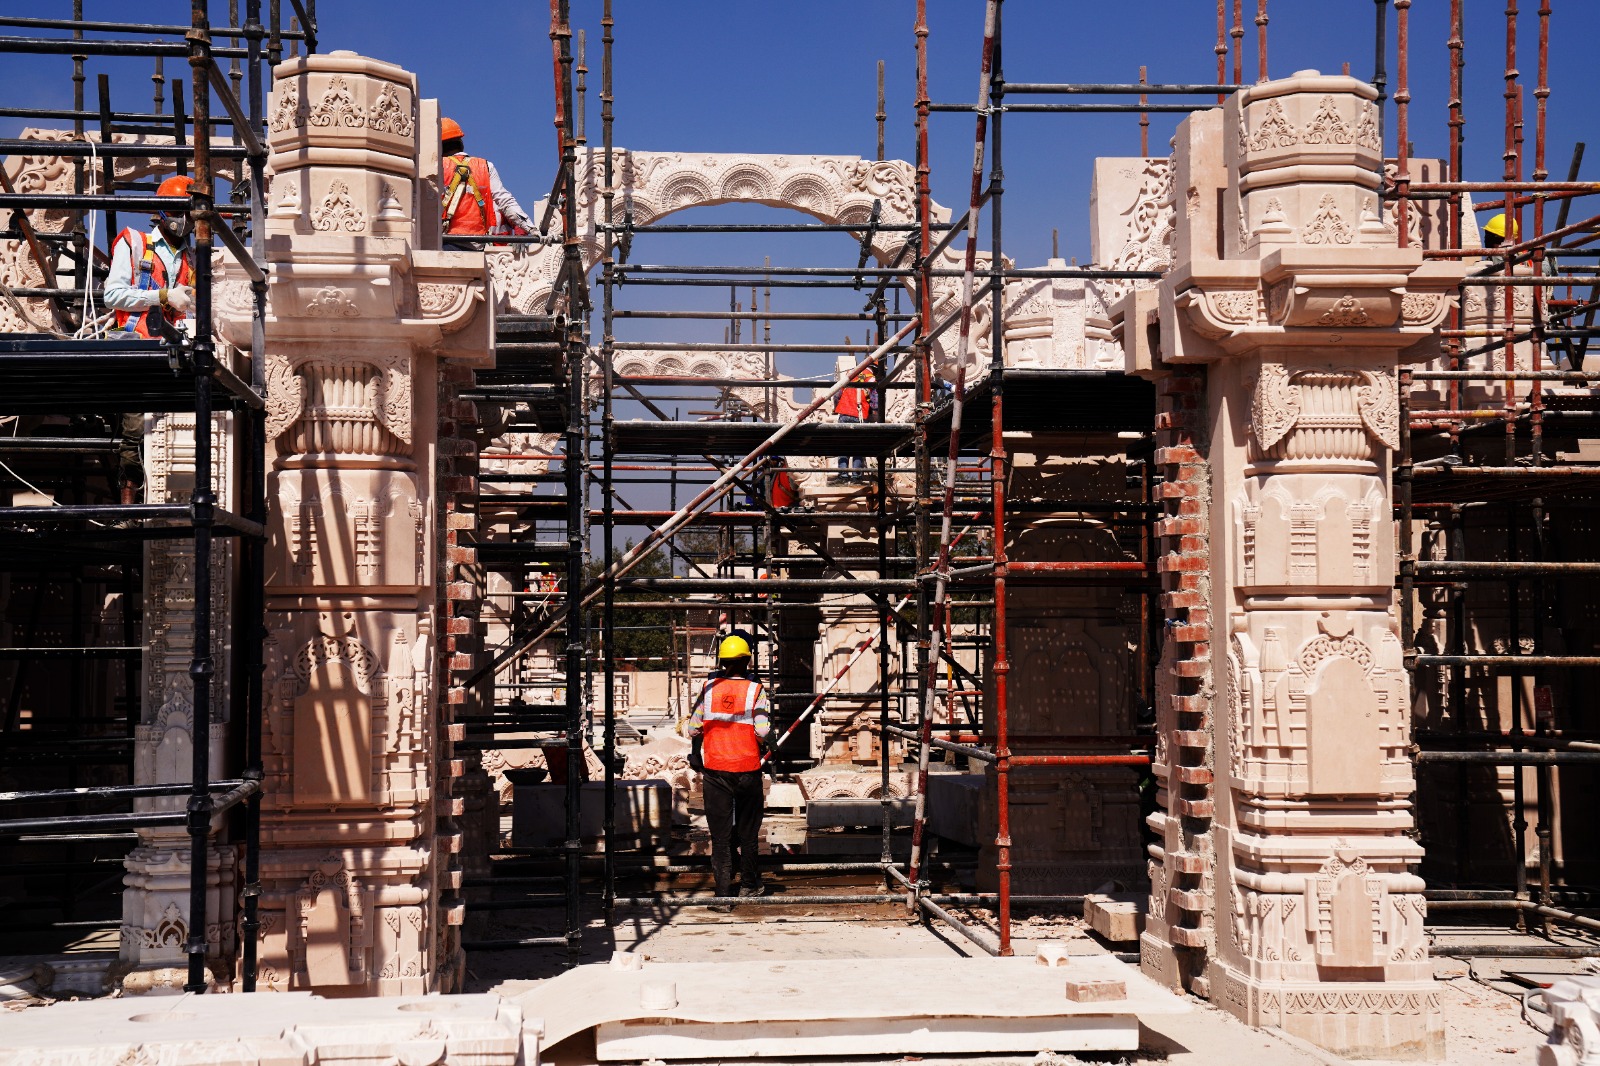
(450, 130)
(177, 185)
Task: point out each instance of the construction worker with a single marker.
(781, 491)
(855, 403)
(730, 720)
(475, 200)
(152, 274)
(1494, 231)
(151, 288)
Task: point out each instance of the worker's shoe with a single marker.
(747, 891)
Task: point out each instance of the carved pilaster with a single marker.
(363, 319)
(1301, 324)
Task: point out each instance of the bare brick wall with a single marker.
(1185, 568)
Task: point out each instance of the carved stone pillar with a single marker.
(155, 903)
(357, 816)
(1289, 287)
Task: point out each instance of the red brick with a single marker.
(1188, 938)
(1194, 775)
(1178, 454)
(1170, 490)
(1191, 507)
(1191, 738)
(1172, 562)
(1196, 543)
(1180, 527)
(461, 590)
(1186, 862)
(1177, 601)
(459, 626)
(463, 662)
(460, 556)
(1191, 668)
(1202, 808)
(1194, 704)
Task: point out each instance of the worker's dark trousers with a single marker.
(733, 811)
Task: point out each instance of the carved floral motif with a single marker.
(288, 114)
(331, 301)
(1328, 127)
(1275, 131)
(1327, 226)
(337, 108)
(338, 211)
(387, 115)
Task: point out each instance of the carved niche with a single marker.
(336, 700)
(331, 928)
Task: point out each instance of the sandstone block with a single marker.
(1096, 990)
(1117, 918)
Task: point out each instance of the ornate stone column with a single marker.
(155, 902)
(358, 818)
(1289, 288)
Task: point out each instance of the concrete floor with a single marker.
(1482, 1017)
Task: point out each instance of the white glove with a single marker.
(181, 299)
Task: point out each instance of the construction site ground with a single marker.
(1482, 1011)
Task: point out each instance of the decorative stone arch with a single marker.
(838, 190)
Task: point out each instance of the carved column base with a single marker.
(1357, 1020)
(155, 917)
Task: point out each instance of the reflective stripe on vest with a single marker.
(474, 213)
(729, 736)
(149, 272)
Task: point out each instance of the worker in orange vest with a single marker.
(781, 491)
(152, 274)
(150, 287)
(855, 403)
(730, 721)
(475, 201)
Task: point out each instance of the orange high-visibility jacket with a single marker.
(783, 491)
(475, 213)
(149, 273)
(731, 711)
(856, 400)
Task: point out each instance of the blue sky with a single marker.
(716, 75)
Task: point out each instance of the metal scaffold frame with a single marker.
(970, 431)
(1531, 489)
(65, 374)
(903, 342)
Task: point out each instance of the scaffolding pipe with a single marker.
(816, 703)
(942, 566)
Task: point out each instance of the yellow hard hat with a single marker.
(733, 648)
(1497, 226)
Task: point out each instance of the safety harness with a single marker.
(461, 183)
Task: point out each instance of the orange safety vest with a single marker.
(783, 494)
(729, 736)
(855, 400)
(474, 213)
(149, 273)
